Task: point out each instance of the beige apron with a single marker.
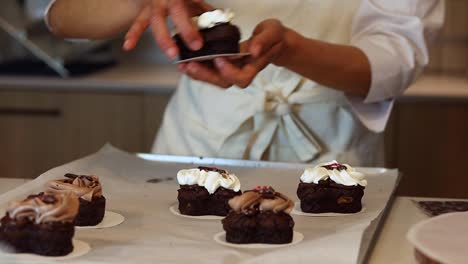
(280, 116)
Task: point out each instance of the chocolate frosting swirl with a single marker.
(45, 208)
(83, 186)
(266, 199)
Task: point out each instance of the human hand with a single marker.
(154, 13)
(266, 44)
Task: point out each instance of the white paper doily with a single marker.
(110, 219)
(211, 57)
(221, 239)
(298, 211)
(80, 248)
(175, 210)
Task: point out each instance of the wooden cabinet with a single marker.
(154, 106)
(428, 141)
(40, 130)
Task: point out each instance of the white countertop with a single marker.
(391, 245)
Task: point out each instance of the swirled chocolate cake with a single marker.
(89, 191)
(41, 224)
(259, 216)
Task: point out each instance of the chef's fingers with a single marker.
(160, 30)
(203, 73)
(244, 76)
(266, 58)
(266, 35)
(180, 15)
(140, 24)
(241, 77)
(182, 67)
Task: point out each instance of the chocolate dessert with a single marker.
(219, 36)
(259, 216)
(41, 224)
(331, 188)
(206, 191)
(89, 191)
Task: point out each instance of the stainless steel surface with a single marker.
(239, 163)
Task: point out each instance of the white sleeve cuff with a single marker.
(393, 36)
(46, 15)
(374, 110)
(373, 115)
(388, 78)
(386, 82)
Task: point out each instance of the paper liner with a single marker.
(232, 56)
(298, 211)
(220, 238)
(80, 248)
(175, 210)
(111, 219)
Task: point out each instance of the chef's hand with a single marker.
(154, 13)
(265, 46)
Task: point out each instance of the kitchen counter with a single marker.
(391, 245)
(163, 78)
(125, 77)
(439, 86)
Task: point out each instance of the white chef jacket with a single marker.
(282, 116)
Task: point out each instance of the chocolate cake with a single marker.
(89, 191)
(259, 216)
(331, 188)
(206, 191)
(91, 212)
(219, 36)
(41, 224)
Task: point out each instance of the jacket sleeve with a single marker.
(394, 36)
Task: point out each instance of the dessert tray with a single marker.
(152, 234)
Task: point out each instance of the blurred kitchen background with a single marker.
(62, 100)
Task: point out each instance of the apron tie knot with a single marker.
(278, 113)
(277, 104)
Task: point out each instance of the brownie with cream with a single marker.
(331, 188)
(41, 224)
(219, 35)
(261, 215)
(206, 191)
(89, 191)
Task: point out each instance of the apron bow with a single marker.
(277, 113)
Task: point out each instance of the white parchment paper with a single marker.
(151, 234)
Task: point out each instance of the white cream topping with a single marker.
(212, 18)
(211, 180)
(348, 177)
